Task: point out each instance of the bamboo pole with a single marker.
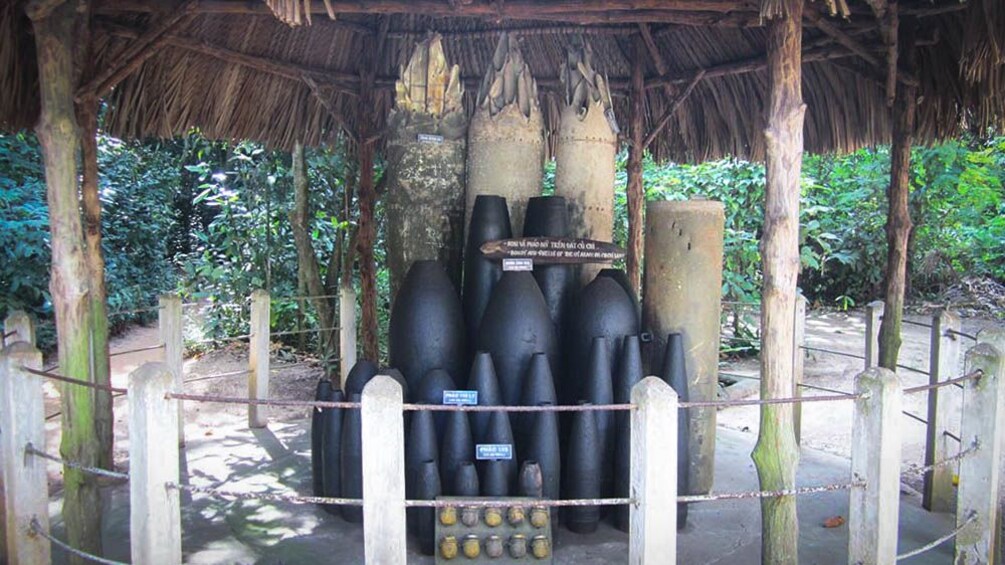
(898, 223)
(776, 453)
(58, 136)
(635, 190)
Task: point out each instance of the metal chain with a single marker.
(483, 503)
(262, 401)
(768, 493)
(832, 352)
(938, 541)
(137, 350)
(540, 408)
(959, 456)
(292, 498)
(61, 378)
(971, 375)
(309, 330)
(36, 529)
(30, 449)
(763, 401)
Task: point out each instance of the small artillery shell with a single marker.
(448, 516)
(469, 516)
(518, 546)
(493, 546)
(448, 547)
(540, 547)
(539, 517)
(515, 515)
(472, 547)
(493, 517)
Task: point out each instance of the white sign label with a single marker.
(518, 264)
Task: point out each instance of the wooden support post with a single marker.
(347, 331)
(258, 359)
(635, 191)
(939, 494)
(776, 454)
(21, 327)
(652, 534)
(874, 509)
(171, 335)
(22, 420)
(383, 472)
(898, 223)
(873, 319)
(155, 507)
(798, 361)
(977, 500)
(55, 44)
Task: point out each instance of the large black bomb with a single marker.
(543, 447)
(489, 222)
(515, 326)
(483, 379)
(456, 446)
(352, 461)
(602, 309)
(621, 278)
(675, 374)
(538, 388)
(583, 472)
(598, 389)
(420, 447)
(427, 325)
(629, 374)
(548, 216)
(499, 433)
(359, 375)
(531, 482)
(465, 480)
(427, 487)
(321, 393)
(430, 391)
(332, 450)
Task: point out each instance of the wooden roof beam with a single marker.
(675, 103)
(817, 19)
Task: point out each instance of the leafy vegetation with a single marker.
(211, 220)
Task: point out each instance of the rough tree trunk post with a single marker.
(634, 190)
(104, 419)
(308, 272)
(898, 223)
(776, 454)
(368, 194)
(58, 136)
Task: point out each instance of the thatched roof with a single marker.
(240, 75)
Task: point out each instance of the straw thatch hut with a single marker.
(692, 80)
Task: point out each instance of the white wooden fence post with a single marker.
(155, 508)
(939, 494)
(383, 472)
(977, 499)
(22, 421)
(347, 331)
(170, 322)
(874, 508)
(258, 359)
(20, 327)
(873, 319)
(799, 356)
(652, 534)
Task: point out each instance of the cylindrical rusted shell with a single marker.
(682, 294)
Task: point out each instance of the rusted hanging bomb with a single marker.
(506, 133)
(682, 293)
(465, 480)
(586, 149)
(499, 432)
(494, 479)
(582, 471)
(321, 393)
(675, 374)
(483, 380)
(426, 145)
(332, 450)
(489, 222)
(602, 309)
(421, 446)
(543, 447)
(426, 330)
(548, 216)
(456, 447)
(538, 388)
(430, 391)
(531, 481)
(598, 389)
(516, 325)
(629, 374)
(352, 462)
(359, 375)
(427, 487)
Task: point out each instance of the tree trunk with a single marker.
(776, 453)
(635, 191)
(58, 135)
(898, 223)
(308, 272)
(104, 419)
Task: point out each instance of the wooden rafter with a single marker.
(817, 19)
(142, 48)
(327, 105)
(675, 103)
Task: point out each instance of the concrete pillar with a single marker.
(682, 293)
(652, 536)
